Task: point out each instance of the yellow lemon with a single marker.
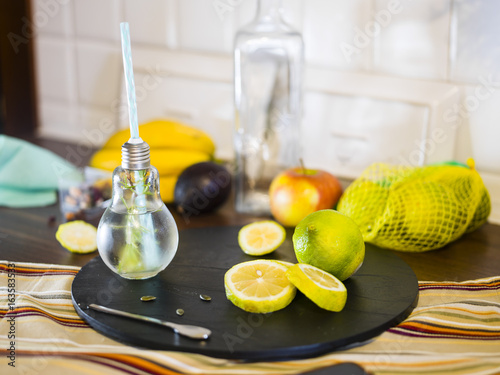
(324, 289)
(77, 236)
(421, 216)
(261, 237)
(482, 212)
(259, 286)
(364, 202)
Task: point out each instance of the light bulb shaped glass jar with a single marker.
(137, 236)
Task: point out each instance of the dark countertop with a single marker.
(28, 235)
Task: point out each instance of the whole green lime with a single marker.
(330, 241)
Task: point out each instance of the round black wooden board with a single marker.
(381, 294)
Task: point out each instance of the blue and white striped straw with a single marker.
(129, 80)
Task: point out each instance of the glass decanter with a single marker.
(268, 63)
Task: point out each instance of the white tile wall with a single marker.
(204, 104)
(330, 33)
(355, 131)
(408, 114)
(95, 126)
(484, 135)
(53, 17)
(152, 22)
(412, 38)
(98, 72)
(55, 69)
(98, 19)
(475, 48)
(202, 29)
(59, 120)
(434, 64)
(244, 12)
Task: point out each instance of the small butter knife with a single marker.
(193, 332)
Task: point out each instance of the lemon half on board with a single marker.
(77, 236)
(259, 286)
(261, 237)
(324, 289)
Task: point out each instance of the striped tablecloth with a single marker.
(455, 329)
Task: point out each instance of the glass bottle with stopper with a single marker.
(137, 236)
(268, 63)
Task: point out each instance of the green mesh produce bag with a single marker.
(416, 209)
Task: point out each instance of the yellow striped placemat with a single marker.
(455, 329)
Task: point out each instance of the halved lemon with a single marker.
(324, 289)
(77, 236)
(259, 286)
(261, 237)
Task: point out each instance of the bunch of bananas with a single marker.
(174, 147)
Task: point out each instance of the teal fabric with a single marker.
(29, 174)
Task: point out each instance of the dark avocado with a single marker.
(201, 188)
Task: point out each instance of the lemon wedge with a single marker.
(77, 236)
(261, 237)
(324, 289)
(259, 286)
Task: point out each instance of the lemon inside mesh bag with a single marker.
(416, 209)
